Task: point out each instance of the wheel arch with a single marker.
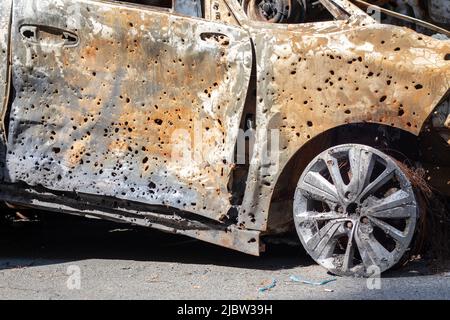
(397, 142)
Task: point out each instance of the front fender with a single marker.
(324, 75)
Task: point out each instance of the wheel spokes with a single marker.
(335, 173)
(401, 212)
(349, 251)
(384, 177)
(319, 188)
(361, 166)
(318, 216)
(394, 233)
(371, 251)
(324, 239)
(393, 206)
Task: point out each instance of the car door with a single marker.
(5, 18)
(127, 101)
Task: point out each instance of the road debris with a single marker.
(314, 283)
(270, 286)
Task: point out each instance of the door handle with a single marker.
(48, 35)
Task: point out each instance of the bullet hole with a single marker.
(447, 57)
(152, 185)
(388, 82)
(252, 240)
(59, 177)
(145, 160)
(370, 74)
(383, 98)
(293, 72)
(56, 150)
(347, 111)
(383, 42)
(401, 112)
(94, 73)
(130, 24)
(332, 72)
(305, 102)
(418, 86)
(309, 123)
(158, 121)
(28, 34)
(397, 49)
(127, 100)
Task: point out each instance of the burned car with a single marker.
(224, 121)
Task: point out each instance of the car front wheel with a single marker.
(355, 210)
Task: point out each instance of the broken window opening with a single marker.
(192, 8)
(287, 11)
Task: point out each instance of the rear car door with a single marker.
(104, 92)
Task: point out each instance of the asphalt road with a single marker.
(62, 257)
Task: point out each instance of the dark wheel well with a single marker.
(399, 144)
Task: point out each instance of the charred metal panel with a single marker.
(246, 241)
(5, 19)
(102, 90)
(314, 77)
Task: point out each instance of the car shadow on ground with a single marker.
(55, 239)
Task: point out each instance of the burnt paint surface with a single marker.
(100, 117)
(314, 77)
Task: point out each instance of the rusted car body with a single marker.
(95, 95)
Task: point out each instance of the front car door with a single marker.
(106, 93)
